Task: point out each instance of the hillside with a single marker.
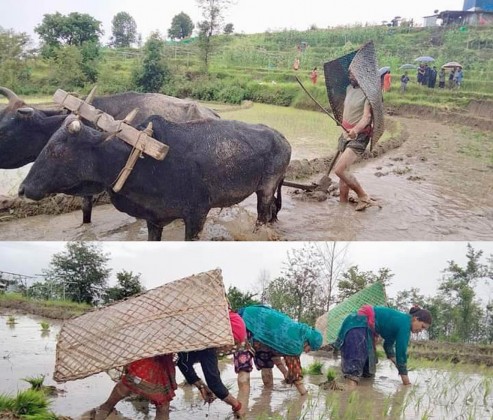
(259, 67)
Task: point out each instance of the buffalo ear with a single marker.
(74, 127)
(25, 111)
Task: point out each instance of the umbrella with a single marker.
(383, 70)
(408, 67)
(425, 59)
(451, 65)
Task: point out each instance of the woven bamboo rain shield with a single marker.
(363, 64)
(184, 315)
(372, 295)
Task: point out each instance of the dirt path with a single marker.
(436, 186)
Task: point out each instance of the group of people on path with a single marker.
(427, 76)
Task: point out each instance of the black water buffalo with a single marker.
(25, 130)
(210, 163)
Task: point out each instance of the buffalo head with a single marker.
(67, 163)
(24, 130)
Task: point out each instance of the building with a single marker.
(473, 13)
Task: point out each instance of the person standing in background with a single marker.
(441, 78)
(314, 76)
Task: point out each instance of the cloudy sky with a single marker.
(415, 264)
(248, 16)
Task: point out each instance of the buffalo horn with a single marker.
(131, 115)
(26, 111)
(74, 126)
(90, 97)
(148, 130)
(9, 94)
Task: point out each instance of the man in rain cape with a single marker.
(354, 91)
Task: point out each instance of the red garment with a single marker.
(238, 327)
(314, 76)
(387, 81)
(153, 378)
(369, 312)
(347, 125)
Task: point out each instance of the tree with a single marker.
(212, 12)
(263, 281)
(332, 258)
(229, 29)
(128, 285)
(153, 73)
(124, 30)
(238, 299)
(181, 26)
(80, 271)
(66, 68)
(14, 71)
(74, 29)
(405, 299)
(279, 296)
(457, 289)
(353, 280)
(298, 291)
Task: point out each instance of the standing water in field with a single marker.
(27, 351)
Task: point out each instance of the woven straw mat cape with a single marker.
(363, 64)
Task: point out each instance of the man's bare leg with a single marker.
(341, 169)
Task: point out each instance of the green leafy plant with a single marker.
(11, 320)
(315, 368)
(36, 382)
(331, 375)
(28, 405)
(45, 326)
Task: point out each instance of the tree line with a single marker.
(313, 279)
(71, 47)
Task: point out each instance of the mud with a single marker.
(430, 183)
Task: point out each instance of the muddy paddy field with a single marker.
(439, 390)
(432, 175)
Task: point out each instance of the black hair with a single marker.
(421, 314)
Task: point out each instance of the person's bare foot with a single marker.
(350, 384)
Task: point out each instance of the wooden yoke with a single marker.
(138, 139)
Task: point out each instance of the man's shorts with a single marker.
(358, 145)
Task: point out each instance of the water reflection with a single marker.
(445, 393)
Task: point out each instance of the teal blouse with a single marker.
(392, 325)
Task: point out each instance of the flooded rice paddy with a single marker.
(430, 188)
(438, 393)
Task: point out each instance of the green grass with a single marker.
(311, 132)
(11, 320)
(60, 309)
(27, 405)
